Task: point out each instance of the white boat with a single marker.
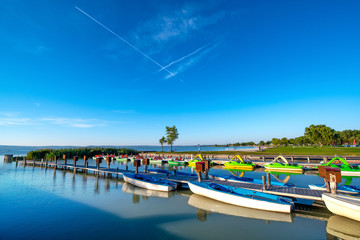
(343, 228)
(242, 197)
(151, 183)
(343, 205)
(341, 188)
(129, 188)
(211, 205)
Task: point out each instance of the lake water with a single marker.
(39, 203)
(22, 150)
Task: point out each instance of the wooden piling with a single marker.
(117, 172)
(264, 182)
(65, 161)
(145, 162)
(333, 184)
(136, 165)
(268, 180)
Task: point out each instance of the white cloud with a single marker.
(74, 122)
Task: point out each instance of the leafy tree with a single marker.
(171, 135)
(261, 143)
(284, 141)
(320, 134)
(162, 141)
(275, 141)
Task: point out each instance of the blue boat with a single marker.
(152, 183)
(242, 197)
(248, 180)
(340, 188)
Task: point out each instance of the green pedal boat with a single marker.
(238, 163)
(345, 167)
(277, 166)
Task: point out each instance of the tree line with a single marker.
(319, 135)
(71, 152)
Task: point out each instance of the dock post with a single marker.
(308, 159)
(264, 182)
(207, 167)
(65, 161)
(76, 158)
(55, 158)
(98, 161)
(268, 180)
(333, 184)
(200, 167)
(292, 160)
(16, 162)
(263, 158)
(24, 159)
(145, 162)
(41, 163)
(117, 174)
(85, 161)
(136, 165)
(108, 160)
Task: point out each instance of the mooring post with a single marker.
(308, 159)
(145, 162)
(137, 165)
(108, 160)
(200, 168)
(174, 171)
(65, 161)
(268, 180)
(207, 167)
(24, 159)
(16, 162)
(41, 163)
(333, 184)
(98, 161)
(325, 159)
(263, 158)
(55, 159)
(117, 172)
(76, 158)
(264, 182)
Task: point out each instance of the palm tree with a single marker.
(162, 141)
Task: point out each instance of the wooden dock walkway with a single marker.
(293, 192)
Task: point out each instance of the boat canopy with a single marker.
(336, 160)
(278, 158)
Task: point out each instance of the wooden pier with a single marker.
(293, 192)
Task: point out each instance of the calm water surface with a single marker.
(39, 203)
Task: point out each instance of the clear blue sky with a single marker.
(220, 71)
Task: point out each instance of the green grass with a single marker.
(330, 151)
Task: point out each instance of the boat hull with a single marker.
(240, 201)
(341, 190)
(290, 170)
(148, 185)
(343, 205)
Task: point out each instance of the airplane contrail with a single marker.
(184, 57)
(122, 39)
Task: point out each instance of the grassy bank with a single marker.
(341, 151)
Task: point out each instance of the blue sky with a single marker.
(220, 71)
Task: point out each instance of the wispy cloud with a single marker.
(74, 122)
(11, 121)
(180, 23)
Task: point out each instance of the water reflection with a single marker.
(343, 228)
(208, 205)
(129, 188)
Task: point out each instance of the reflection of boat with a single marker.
(242, 197)
(343, 205)
(246, 180)
(276, 166)
(129, 188)
(343, 228)
(238, 163)
(345, 167)
(177, 162)
(151, 183)
(340, 188)
(208, 204)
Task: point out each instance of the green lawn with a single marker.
(341, 151)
